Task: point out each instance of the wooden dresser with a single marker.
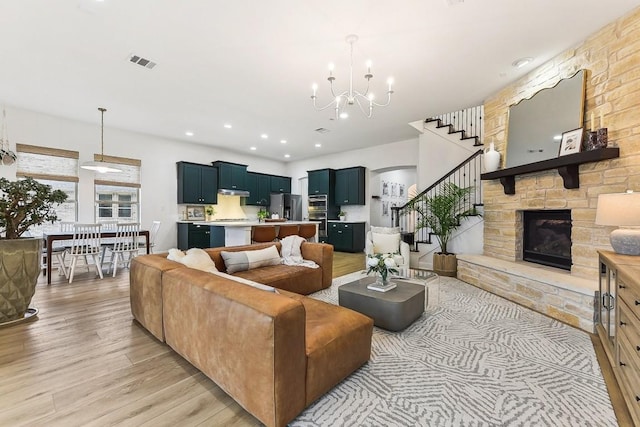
(618, 322)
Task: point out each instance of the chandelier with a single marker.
(352, 96)
(100, 165)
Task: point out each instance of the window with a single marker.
(54, 167)
(115, 203)
(117, 194)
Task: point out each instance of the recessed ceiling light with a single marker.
(344, 115)
(253, 148)
(283, 141)
(557, 137)
(519, 63)
(287, 156)
(264, 136)
(188, 133)
(318, 145)
(227, 125)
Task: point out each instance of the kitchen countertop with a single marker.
(247, 223)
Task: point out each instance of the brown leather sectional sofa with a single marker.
(274, 353)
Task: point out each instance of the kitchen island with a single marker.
(209, 234)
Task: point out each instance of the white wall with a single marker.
(405, 177)
(158, 156)
(438, 155)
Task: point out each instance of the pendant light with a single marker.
(101, 166)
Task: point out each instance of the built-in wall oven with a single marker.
(318, 212)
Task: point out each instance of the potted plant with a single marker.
(342, 215)
(210, 211)
(262, 214)
(23, 203)
(441, 214)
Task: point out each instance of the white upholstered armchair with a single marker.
(387, 240)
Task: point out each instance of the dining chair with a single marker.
(85, 244)
(127, 241)
(153, 233)
(59, 250)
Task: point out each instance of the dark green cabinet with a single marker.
(350, 186)
(259, 188)
(197, 183)
(231, 176)
(346, 236)
(321, 181)
(202, 236)
(280, 184)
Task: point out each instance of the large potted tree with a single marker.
(441, 214)
(23, 203)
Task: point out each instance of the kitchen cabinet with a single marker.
(346, 236)
(191, 235)
(231, 176)
(197, 184)
(349, 188)
(322, 181)
(618, 322)
(280, 184)
(259, 188)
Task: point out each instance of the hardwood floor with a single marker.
(86, 362)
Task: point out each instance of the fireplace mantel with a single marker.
(567, 167)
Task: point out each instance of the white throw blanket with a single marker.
(291, 254)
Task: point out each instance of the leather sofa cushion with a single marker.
(301, 280)
(337, 342)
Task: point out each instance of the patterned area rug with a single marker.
(472, 359)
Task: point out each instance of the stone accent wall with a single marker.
(612, 60)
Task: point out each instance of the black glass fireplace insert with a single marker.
(547, 237)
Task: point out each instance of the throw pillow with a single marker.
(385, 230)
(247, 282)
(385, 243)
(175, 255)
(200, 260)
(247, 260)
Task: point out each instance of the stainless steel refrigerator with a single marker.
(286, 205)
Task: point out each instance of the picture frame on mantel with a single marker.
(571, 142)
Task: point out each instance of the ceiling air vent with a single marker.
(322, 130)
(146, 63)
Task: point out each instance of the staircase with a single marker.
(468, 237)
(468, 123)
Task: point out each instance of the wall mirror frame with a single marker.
(536, 123)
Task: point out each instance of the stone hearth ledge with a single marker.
(546, 290)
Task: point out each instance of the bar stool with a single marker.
(263, 234)
(287, 230)
(307, 231)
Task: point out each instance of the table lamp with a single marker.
(622, 210)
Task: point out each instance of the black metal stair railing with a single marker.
(468, 122)
(466, 174)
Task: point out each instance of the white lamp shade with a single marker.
(621, 209)
(101, 167)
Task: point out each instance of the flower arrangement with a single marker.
(382, 264)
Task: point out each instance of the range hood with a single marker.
(229, 192)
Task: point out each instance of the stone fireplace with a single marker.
(546, 237)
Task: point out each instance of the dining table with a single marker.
(55, 236)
